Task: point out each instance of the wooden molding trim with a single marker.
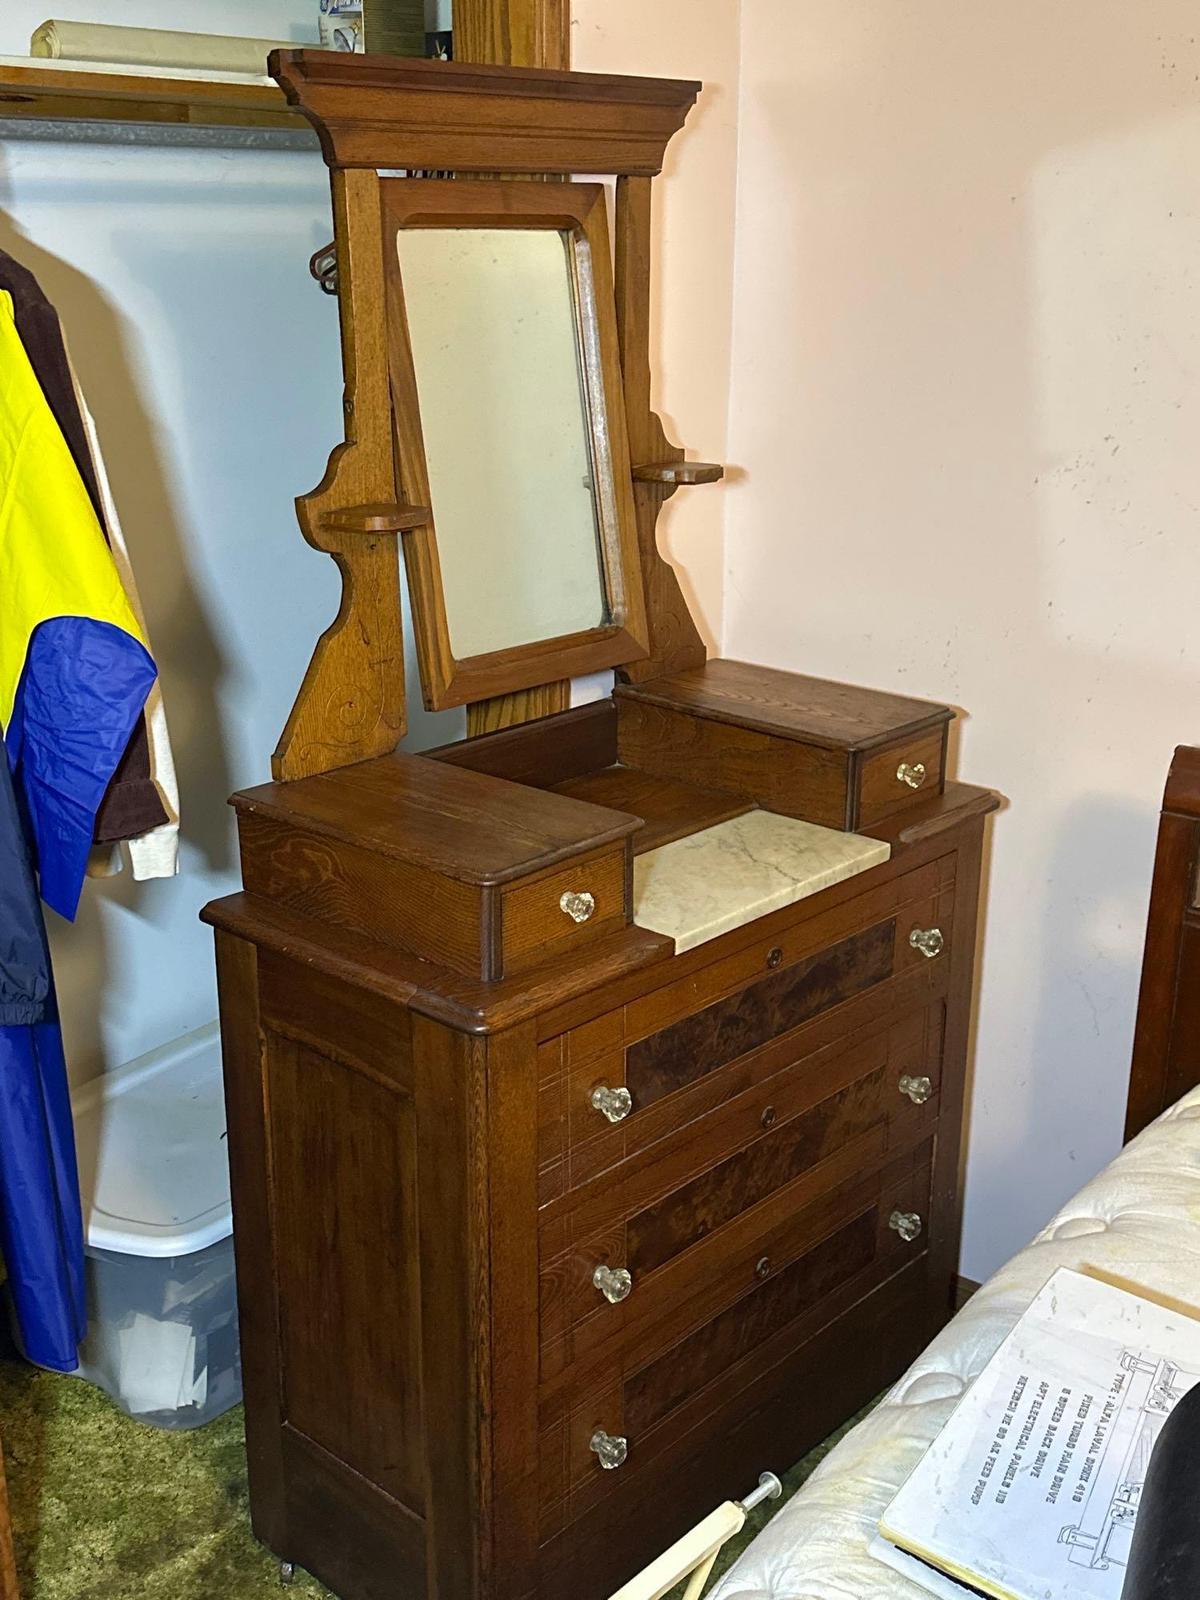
(382, 111)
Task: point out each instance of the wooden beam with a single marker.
(513, 33)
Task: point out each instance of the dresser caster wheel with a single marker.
(287, 1573)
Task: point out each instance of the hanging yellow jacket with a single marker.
(74, 668)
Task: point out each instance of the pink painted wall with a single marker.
(965, 399)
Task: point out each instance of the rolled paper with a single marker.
(153, 47)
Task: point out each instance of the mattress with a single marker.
(1139, 1219)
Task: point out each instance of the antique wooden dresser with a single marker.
(595, 1084)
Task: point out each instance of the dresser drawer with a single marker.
(803, 748)
(635, 1410)
(566, 909)
(900, 775)
(633, 1077)
(650, 1248)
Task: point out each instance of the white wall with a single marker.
(211, 362)
(693, 244)
(967, 336)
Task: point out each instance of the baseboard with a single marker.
(964, 1288)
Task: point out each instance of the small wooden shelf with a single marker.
(377, 519)
(676, 472)
(34, 95)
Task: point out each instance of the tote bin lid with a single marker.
(153, 1167)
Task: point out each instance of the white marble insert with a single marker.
(721, 878)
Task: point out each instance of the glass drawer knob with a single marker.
(609, 1452)
(615, 1104)
(929, 941)
(578, 907)
(907, 1224)
(614, 1283)
(912, 773)
(918, 1090)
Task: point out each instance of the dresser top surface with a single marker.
(817, 711)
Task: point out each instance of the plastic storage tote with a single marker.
(162, 1309)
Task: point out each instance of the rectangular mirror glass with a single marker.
(493, 326)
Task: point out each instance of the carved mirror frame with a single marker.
(374, 115)
(579, 211)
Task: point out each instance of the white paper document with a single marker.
(1031, 1490)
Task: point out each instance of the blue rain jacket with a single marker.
(74, 676)
(41, 1230)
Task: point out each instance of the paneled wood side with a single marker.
(348, 1267)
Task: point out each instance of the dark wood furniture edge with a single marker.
(8, 1560)
(254, 1245)
(1166, 1041)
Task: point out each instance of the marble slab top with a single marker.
(723, 877)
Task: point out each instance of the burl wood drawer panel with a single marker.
(801, 1001)
(688, 1230)
(653, 1404)
(563, 910)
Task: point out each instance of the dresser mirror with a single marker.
(495, 337)
(510, 428)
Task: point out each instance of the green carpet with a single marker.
(107, 1509)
